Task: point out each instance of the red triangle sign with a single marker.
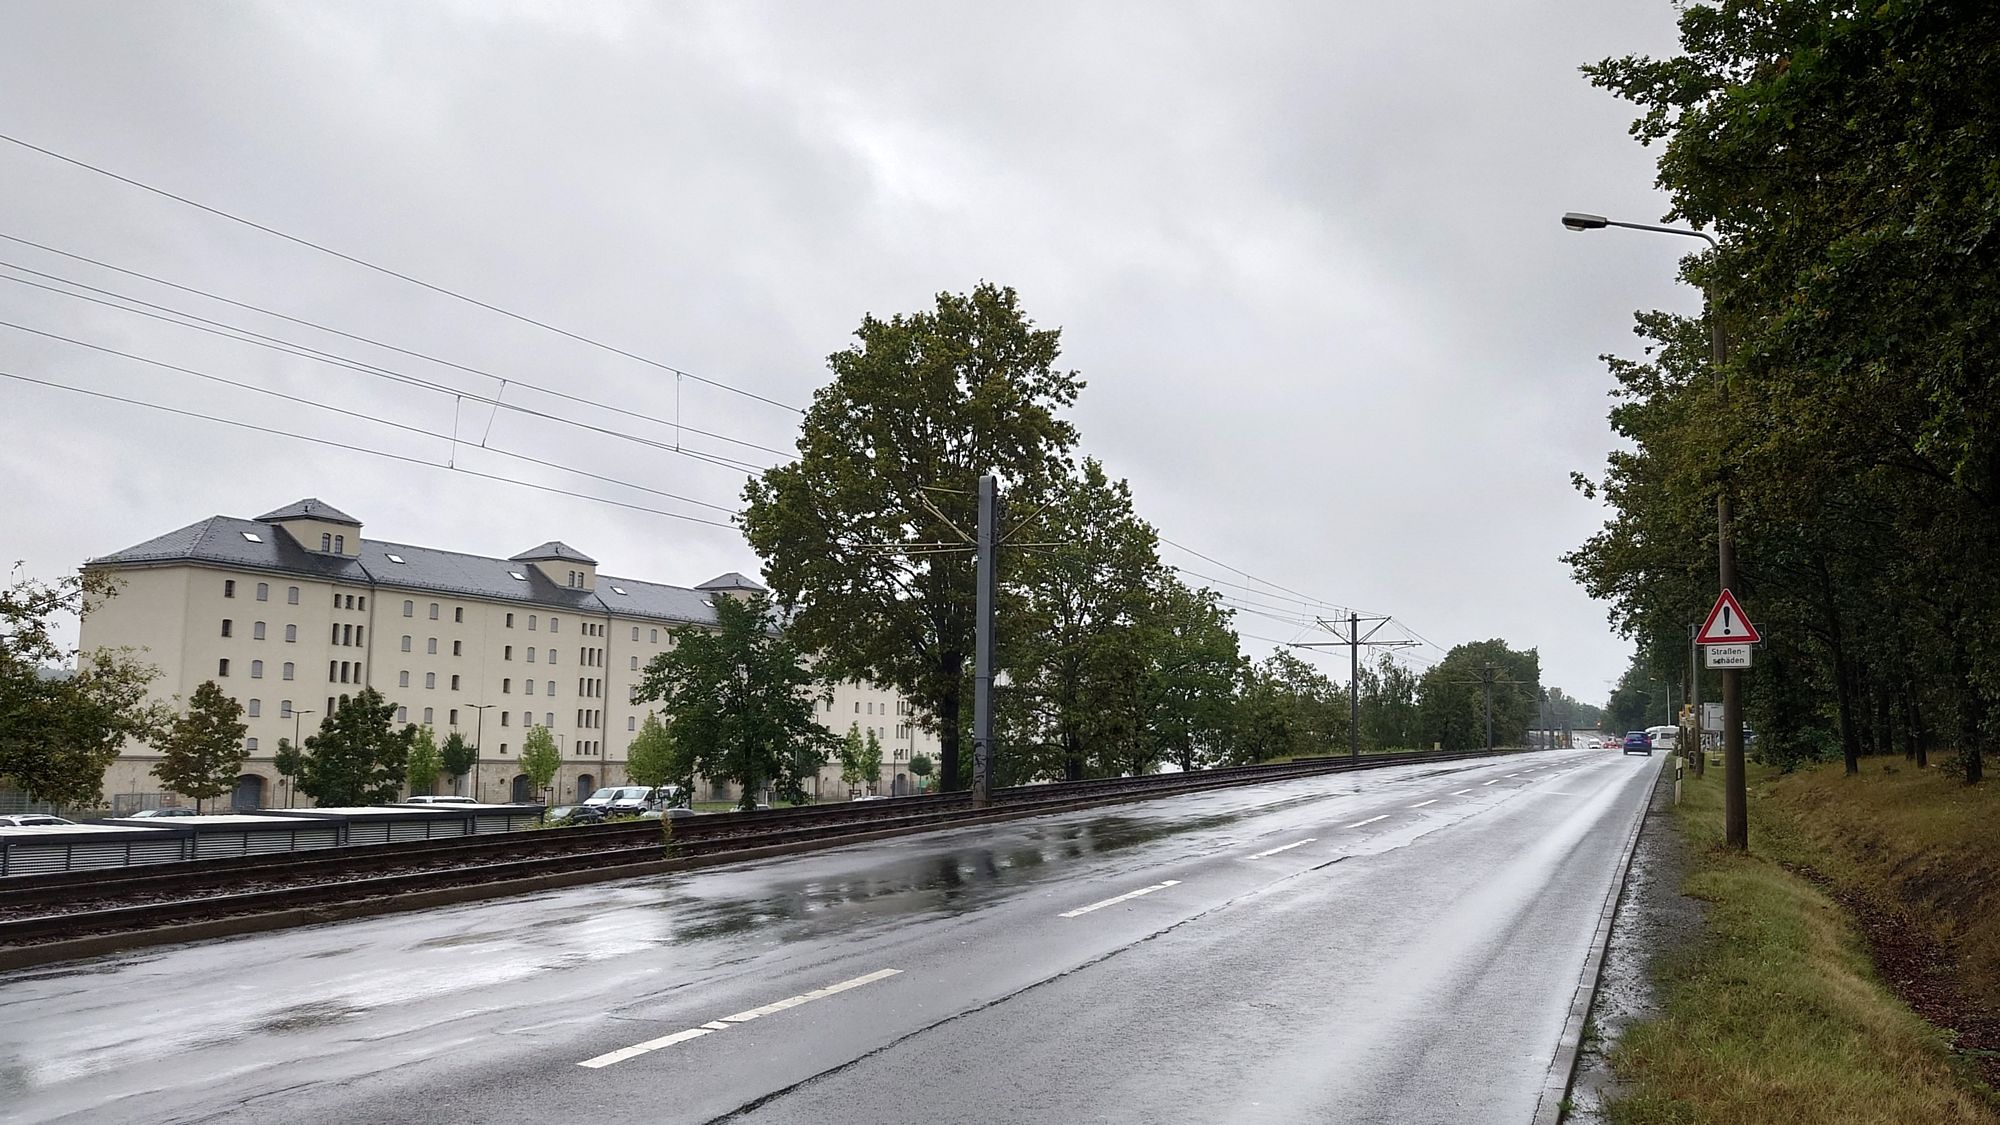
(1726, 624)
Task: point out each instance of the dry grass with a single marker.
(1778, 1016)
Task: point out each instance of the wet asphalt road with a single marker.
(1394, 946)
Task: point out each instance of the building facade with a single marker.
(292, 610)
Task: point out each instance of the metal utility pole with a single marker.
(478, 742)
(1694, 699)
(1488, 676)
(1735, 819)
(1354, 639)
(987, 539)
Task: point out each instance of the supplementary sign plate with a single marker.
(1727, 656)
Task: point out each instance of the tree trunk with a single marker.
(948, 780)
(1843, 681)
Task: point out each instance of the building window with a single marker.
(503, 748)
(336, 599)
(358, 640)
(528, 686)
(458, 648)
(452, 717)
(635, 632)
(222, 667)
(656, 636)
(256, 669)
(291, 634)
(549, 720)
(527, 718)
(431, 646)
(403, 678)
(431, 680)
(458, 614)
(507, 653)
(263, 591)
(229, 587)
(504, 717)
(427, 716)
(635, 664)
(454, 683)
(228, 627)
(250, 744)
(434, 611)
(257, 630)
(531, 654)
(340, 544)
(335, 639)
(350, 601)
(409, 609)
(288, 669)
(291, 595)
(506, 687)
(406, 642)
(284, 708)
(325, 541)
(361, 602)
(254, 709)
(631, 722)
(553, 623)
(510, 621)
(551, 654)
(402, 714)
(531, 623)
(348, 635)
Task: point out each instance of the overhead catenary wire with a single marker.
(319, 327)
(307, 352)
(352, 447)
(388, 272)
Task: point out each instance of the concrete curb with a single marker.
(1550, 1109)
(53, 952)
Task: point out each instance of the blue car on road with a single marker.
(1638, 742)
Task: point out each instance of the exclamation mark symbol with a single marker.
(1727, 628)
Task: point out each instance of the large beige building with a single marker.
(291, 610)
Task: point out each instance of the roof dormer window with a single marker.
(253, 537)
(325, 541)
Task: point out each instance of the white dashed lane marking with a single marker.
(1421, 804)
(1284, 847)
(1126, 897)
(727, 1022)
(1370, 820)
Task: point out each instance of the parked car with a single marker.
(868, 797)
(670, 812)
(1638, 742)
(31, 820)
(574, 814)
(176, 811)
(438, 801)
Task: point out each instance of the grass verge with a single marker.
(1777, 1015)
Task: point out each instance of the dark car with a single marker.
(1638, 742)
(574, 814)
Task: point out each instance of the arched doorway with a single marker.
(249, 792)
(901, 786)
(585, 785)
(523, 789)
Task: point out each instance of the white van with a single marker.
(1664, 738)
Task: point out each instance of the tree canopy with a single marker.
(357, 757)
(202, 750)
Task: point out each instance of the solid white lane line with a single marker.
(1460, 792)
(1284, 848)
(726, 1022)
(1495, 781)
(1513, 775)
(1421, 804)
(1126, 897)
(1370, 820)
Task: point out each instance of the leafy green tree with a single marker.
(202, 751)
(891, 452)
(1391, 717)
(289, 761)
(60, 729)
(457, 757)
(540, 758)
(358, 757)
(740, 701)
(420, 769)
(871, 760)
(1286, 708)
(849, 752)
(1187, 690)
(655, 757)
(921, 767)
(1452, 698)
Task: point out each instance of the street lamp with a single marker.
(296, 715)
(1735, 820)
(478, 732)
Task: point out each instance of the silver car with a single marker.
(32, 820)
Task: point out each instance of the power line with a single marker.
(504, 380)
(385, 270)
(405, 458)
(317, 355)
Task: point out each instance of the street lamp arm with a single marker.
(1576, 220)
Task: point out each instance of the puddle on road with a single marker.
(305, 1017)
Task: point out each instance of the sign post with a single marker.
(1725, 637)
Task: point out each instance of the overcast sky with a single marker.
(1305, 255)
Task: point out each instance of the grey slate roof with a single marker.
(309, 509)
(220, 541)
(553, 549)
(731, 581)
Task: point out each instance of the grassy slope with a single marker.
(1778, 1017)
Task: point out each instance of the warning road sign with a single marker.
(1726, 624)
